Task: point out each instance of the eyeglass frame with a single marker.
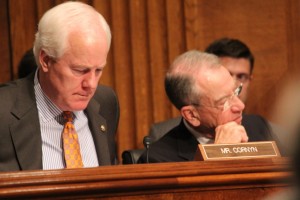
(228, 102)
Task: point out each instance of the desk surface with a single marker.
(255, 178)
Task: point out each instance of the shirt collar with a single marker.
(201, 138)
(47, 109)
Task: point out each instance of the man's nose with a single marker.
(237, 105)
(90, 80)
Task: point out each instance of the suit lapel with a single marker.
(25, 128)
(98, 128)
(186, 143)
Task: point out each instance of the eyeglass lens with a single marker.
(236, 92)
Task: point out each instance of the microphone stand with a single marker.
(147, 141)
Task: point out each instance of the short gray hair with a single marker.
(180, 81)
(57, 23)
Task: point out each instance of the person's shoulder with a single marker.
(257, 128)
(253, 118)
(104, 88)
(104, 91)
(105, 94)
(168, 123)
(13, 88)
(176, 133)
(157, 130)
(108, 100)
(9, 92)
(9, 86)
(177, 145)
(167, 143)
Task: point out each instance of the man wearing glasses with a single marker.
(237, 58)
(206, 95)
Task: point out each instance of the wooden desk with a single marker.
(236, 179)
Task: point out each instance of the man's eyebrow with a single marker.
(223, 98)
(78, 66)
(85, 66)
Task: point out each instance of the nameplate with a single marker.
(237, 151)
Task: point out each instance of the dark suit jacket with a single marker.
(20, 136)
(180, 145)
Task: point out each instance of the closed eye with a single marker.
(220, 103)
(99, 71)
(80, 71)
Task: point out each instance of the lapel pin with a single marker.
(102, 128)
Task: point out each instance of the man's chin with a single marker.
(239, 120)
(79, 106)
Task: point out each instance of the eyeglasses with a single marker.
(228, 103)
(229, 100)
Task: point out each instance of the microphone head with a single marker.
(147, 141)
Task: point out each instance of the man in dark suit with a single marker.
(238, 59)
(254, 124)
(70, 48)
(206, 95)
(186, 144)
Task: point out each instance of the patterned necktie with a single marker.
(70, 142)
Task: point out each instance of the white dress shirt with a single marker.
(52, 124)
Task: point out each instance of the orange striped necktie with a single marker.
(70, 142)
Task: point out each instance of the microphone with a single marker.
(147, 141)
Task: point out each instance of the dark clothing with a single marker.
(180, 145)
(20, 135)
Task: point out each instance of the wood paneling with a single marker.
(176, 37)
(104, 7)
(157, 31)
(139, 37)
(123, 73)
(236, 179)
(148, 35)
(260, 24)
(5, 69)
(23, 25)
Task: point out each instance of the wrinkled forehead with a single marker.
(216, 83)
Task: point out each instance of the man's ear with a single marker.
(190, 114)
(44, 61)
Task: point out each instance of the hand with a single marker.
(230, 133)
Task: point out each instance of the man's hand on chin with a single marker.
(230, 132)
